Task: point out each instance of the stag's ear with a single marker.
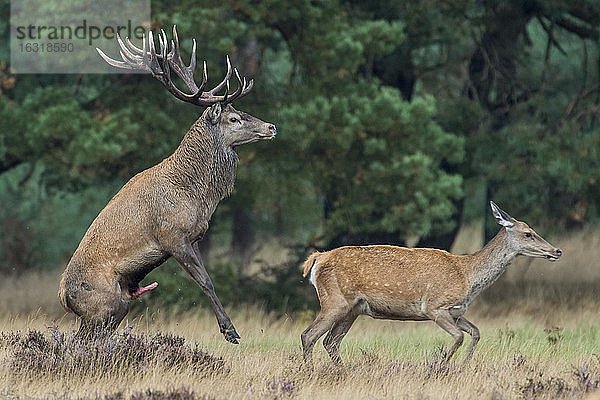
(214, 113)
(502, 216)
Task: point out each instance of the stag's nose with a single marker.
(272, 129)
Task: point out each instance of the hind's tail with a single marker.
(309, 263)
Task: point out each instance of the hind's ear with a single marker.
(502, 217)
(214, 113)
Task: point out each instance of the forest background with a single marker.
(397, 122)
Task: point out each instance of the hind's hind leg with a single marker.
(336, 334)
(321, 325)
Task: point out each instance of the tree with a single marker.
(392, 116)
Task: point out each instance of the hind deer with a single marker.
(165, 210)
(418, 284)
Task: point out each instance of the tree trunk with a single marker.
(242, 240)
(471, 233)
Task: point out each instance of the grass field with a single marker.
(539, 341)
(518, 357)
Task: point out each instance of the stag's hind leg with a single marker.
(99, 303)
(98, 328)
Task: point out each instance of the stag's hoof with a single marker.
(231, 335)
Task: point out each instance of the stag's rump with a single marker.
(114, 255)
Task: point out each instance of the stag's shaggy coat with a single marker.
(163, 211)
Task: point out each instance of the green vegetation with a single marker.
(396, 121)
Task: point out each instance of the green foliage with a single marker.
(556, 169)
(38, 229)
(377, 160)
(384, 109)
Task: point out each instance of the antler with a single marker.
(160, 66)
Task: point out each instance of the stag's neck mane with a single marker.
(202, 164)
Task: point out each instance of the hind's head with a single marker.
(523, 239)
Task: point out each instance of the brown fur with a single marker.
(310, 261)
(402, 283)
(161, 212)
(388, 275)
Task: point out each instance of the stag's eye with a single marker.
(233, 120)
(528, 235)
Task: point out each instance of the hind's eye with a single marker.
(528, 235)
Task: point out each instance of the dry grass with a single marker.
(539, 341)
(517, 358)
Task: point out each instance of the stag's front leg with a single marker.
(189, 258)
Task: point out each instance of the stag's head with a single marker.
(523, 239)
(235, 127)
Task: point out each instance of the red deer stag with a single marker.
(163, 211)
(389, 282)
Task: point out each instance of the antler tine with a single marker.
(192, 65)
(248, 88)
(133, 48)
(130, 60)
(145, 60)
(238, 91)
(199, 93)
(225, 80)
(243, 88)
(164, 44)
(224, 101)
(204, 73)
(126, 54)
(113, 62)
(160, 64)
(152, 61)
(172, 59)
(175, 38)
(186, 73)
(151, 48)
